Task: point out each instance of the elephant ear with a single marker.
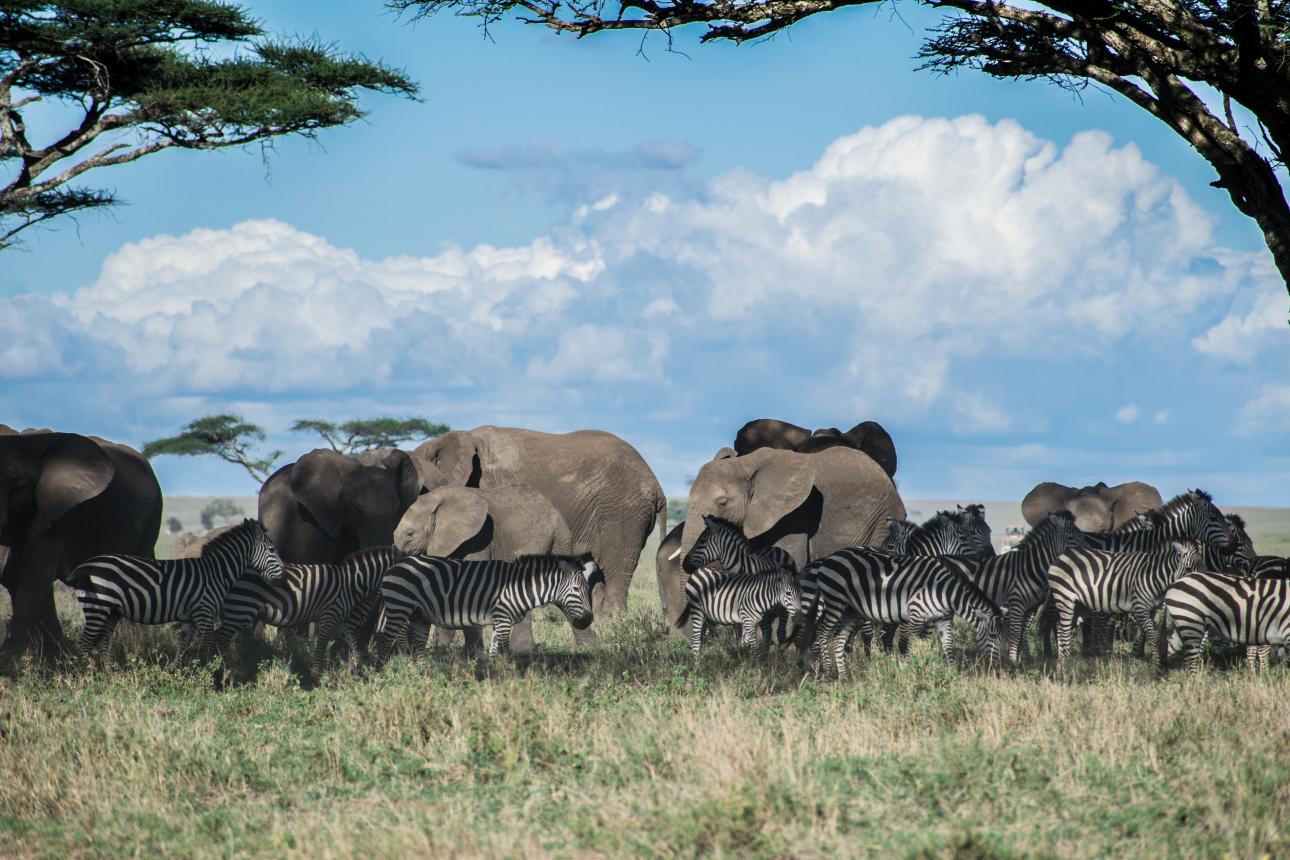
(1045, 498)
(406, 476)
(780, 485)
(455, 456)
(459, 518)
(725, 453)
(72, 470)
(318, 483)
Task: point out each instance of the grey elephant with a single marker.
(599, 484)
(1097, 508)
(326, 505)
(63, 498)
(481, 525)
(189, 545)
(807, 504)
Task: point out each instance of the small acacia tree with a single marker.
(225, 436)
(364, 434)
(1162, 55)
(140, 76)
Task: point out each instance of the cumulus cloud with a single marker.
(1242, 333)
(891, 279)
(1127, 414)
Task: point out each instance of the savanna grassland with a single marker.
(634, 748)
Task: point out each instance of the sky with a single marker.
(1020, 283)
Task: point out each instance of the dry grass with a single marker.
(633, 748)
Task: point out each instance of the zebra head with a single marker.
(897, 539)
(262, 555)
(988, 625)
(718, 542)
(979, 539)
(1240, 552)
(1065, 534)
(573, 590)
(1187, 557)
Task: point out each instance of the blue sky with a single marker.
(1020, 284)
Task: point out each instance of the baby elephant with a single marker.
(497, 524)
(716, 596)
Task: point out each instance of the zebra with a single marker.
(1240, 609)
(1268, 565)
(1102, 581)
(1017, 580)
(714, 595)
(723, 544)
(861, 584)
(944, 533)
(337, 598)
(459, 594)
(156, 591)
(974, 519)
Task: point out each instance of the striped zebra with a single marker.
(337, 598)
(944, 533)
(457, 594)
(861, 584)
(1101, 581)
(714, 595)
(1268, 565)
(1017, 580)
(974, 519)
(1253, 612)
(157, 591)
(723, 545)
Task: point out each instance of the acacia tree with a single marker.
(225, 436)
(1159, 54)
(365, 434)
(133, 77)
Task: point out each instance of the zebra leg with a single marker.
(501, 641)
(840, 652)
(1047, 626)
(97, 634)
(945, 632)
(185, 636)
(1258, 656)
(748, 630)
(1065, 615)
(419, 635)
(473, 640)
(1192, 650)
(696, 630)
(1018, 622)
(1143, 618)
(866, 635)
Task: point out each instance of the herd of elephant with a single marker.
(488, 493)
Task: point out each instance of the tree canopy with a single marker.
(1166, 56)
(364, 434)
(134, 77)
(225, 436)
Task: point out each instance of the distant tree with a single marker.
(225, 436)
(1186, 62)
(223, 509)
(128, 78)
(174, 526)
(353, 437)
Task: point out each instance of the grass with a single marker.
(634, 748)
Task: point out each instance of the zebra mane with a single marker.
(361, 555)
(232, 534)
(974, 510)
(540, 560)
(941, 517)
(1237, 521)
(1045, 525)
(1186, 499)
(718, 524)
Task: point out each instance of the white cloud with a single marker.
(1239, 336)
(892, 279)
(1127, 414)
(1161, 417)
(1269, 411)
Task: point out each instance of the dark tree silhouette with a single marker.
(225, 436)
(364, 434)
(136, 77)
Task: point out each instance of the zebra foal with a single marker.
(1104, 582)
(458, 594)
(157, 591)
(714, 595)
(723, 545)
(336, 598)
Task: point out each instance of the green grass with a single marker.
(633, 748)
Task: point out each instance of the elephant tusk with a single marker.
(673, 556)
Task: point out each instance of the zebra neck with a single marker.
(225, 554)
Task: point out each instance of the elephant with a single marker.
(671, 578)
(1098, 508)
(65, 497)
(479, 525)
(807, 504)
(326, 505)
(599, 484)
(867, 436)
(189, 545)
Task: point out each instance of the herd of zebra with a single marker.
(1187, 556)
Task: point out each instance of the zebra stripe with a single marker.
(724, 543)
(861, 584)
(157, 591)
(945, 533)
(1254, 612)
(1268, 565)
(458, 594)
(1101, 581)
(335, 597)
(1017, 580)
(714, 595)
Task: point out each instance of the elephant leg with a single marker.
(522, 635)
(30, 579)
